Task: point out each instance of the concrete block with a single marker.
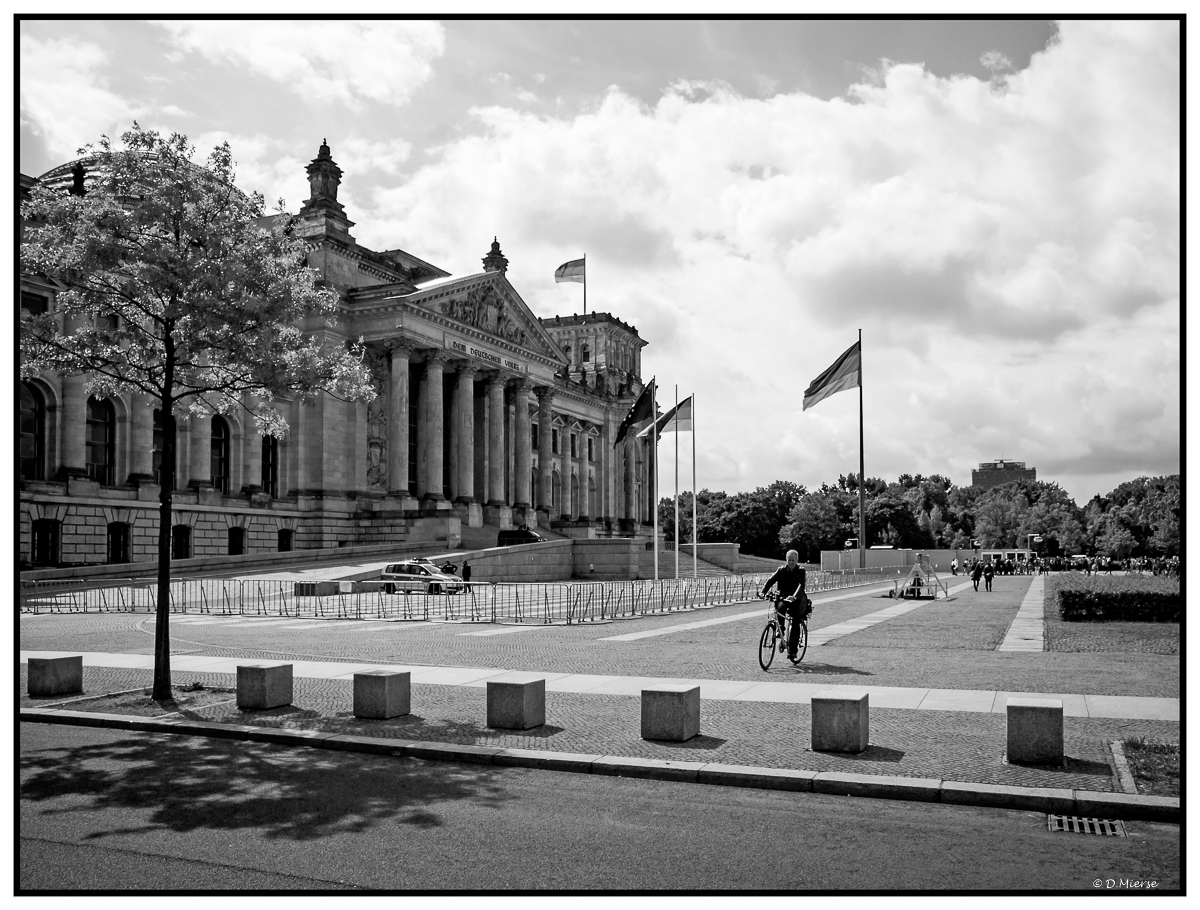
(1035, 730)
(56, 675)
(264, 685)
(516, 703)
(840, 721)
(380, 694)
(671, 713)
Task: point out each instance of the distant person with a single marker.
(466, 571)
(790, 579)
(989, 572)
(976, 574)
(954, 566)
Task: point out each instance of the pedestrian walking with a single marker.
(954, 566)
(988, 572)
(466, 571)
(976, 574)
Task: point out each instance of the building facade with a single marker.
(994, 473)
(486, 416)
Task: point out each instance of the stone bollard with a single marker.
(1035, 730)
(56, 675)
(264, 685)
(840, 721)
(671, 713)
(380, 694)
(516, 703)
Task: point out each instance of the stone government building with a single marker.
(486, 416)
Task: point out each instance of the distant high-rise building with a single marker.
(994, 473)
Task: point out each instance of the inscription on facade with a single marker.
(471, 351)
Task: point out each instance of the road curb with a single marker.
(1087, 803)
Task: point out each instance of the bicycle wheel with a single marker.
(766, 646)
(802, 642)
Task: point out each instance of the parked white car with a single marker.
(419, 576)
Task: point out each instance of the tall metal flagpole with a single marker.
(676, 419)
(654, 481)
(585, 284)
(693, 485)
(862, 496)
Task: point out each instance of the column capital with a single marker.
(438, 357)
(545, 393)
(466, 368)
(404, 346)
(520, 383)
(495, 379)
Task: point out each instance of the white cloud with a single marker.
(330, 61)
(65, 96)
(1006, 249)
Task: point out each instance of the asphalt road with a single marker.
(113, 810)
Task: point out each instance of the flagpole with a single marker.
(585, 284)
(862, 496)
(676, 481)
(654, 480)
(693, 485)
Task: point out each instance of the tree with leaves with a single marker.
(175, 284)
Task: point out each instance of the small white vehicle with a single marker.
(419, 577)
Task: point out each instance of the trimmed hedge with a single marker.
(1119, 599)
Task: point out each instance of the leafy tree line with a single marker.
(1138, 518)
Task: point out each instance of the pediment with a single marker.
(488, 305)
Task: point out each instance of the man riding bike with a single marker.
(790, 580)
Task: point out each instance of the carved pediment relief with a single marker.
(489, 308)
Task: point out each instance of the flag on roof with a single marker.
(676, 420)
(642, 410)
(846, 373)
(570, 271)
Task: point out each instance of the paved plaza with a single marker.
(938, 674)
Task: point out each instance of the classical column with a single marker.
(432, 429)
(74, 427)
(495, 390)
(523, 456)
(200, 450)
(627, 450)
(545, 498)
(567, 464)
(604, 460)
(397, 459)
(466, 432)
(141, 438)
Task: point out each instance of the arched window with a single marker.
(585, 354)
(101, 441)
(285, 540)
(118, 542)
(47, 533)
(33, 433)
(181, 542)
(575, 510)
(219, 463)
(157, 455)
(567, 351)
(270, 465)
(555, 480)
(237, 541)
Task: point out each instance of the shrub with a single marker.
(1118, 599)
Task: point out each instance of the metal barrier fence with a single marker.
(565, 602)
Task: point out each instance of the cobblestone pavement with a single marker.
(946, 644)
(945, 745)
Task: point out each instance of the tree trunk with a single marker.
(166, 488)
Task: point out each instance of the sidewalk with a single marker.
(925, 744)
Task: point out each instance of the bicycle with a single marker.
(775, 634)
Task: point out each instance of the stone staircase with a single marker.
(666, 565)
(484, 537)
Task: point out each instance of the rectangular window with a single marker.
(34, 304)
(554, 441)
(589, 448)
(573, 455)
(533, 429)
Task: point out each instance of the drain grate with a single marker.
(1075, 825)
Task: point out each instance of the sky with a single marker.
(994, 204)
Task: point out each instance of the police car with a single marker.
(419, 576)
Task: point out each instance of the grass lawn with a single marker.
(1154, 765)
(139, 703)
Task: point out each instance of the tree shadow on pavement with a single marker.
(186, 783)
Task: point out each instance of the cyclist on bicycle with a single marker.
(789, 580)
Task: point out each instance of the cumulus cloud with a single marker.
(65, 97)
(1007, 249)
(331, 61)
